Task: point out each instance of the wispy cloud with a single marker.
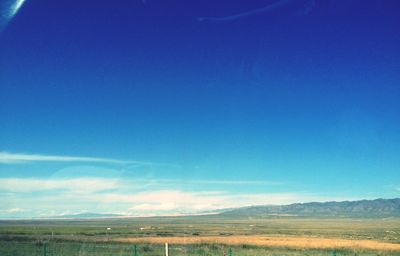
(304, 9)
(8, 9)
(7, 157)
(236, 182)
(92, 184)
(75, 185)
(268, 8)
(13, 210)
(211, 182)
(15, 7)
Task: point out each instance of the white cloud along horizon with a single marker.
(53, 197)
(31, 197)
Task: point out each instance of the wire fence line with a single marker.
(66, 248)
(46, 248)
(69, 248)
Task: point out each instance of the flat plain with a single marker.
(206, 235)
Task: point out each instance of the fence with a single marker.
(17, 248)
(53, 248)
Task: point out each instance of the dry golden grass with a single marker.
(302, 242)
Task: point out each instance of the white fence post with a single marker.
(166, 249)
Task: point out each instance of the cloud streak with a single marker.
(264, 9)
(12, 158)
(92, 184)
(74, 185)
(305, 7)
(8, 9)
(15, 7)
(13, 210)
(212, 182)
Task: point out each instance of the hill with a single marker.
(379, 208)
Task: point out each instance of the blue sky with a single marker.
(170, 107)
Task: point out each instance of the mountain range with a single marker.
(362, 208)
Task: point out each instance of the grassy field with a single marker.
(202, 235)
(297, 242)
(103, 249)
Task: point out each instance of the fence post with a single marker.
(230, 252)
(44, 250)
(166, 249)
(134, 251)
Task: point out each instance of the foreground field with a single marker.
(15, 248)
(202, 235)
